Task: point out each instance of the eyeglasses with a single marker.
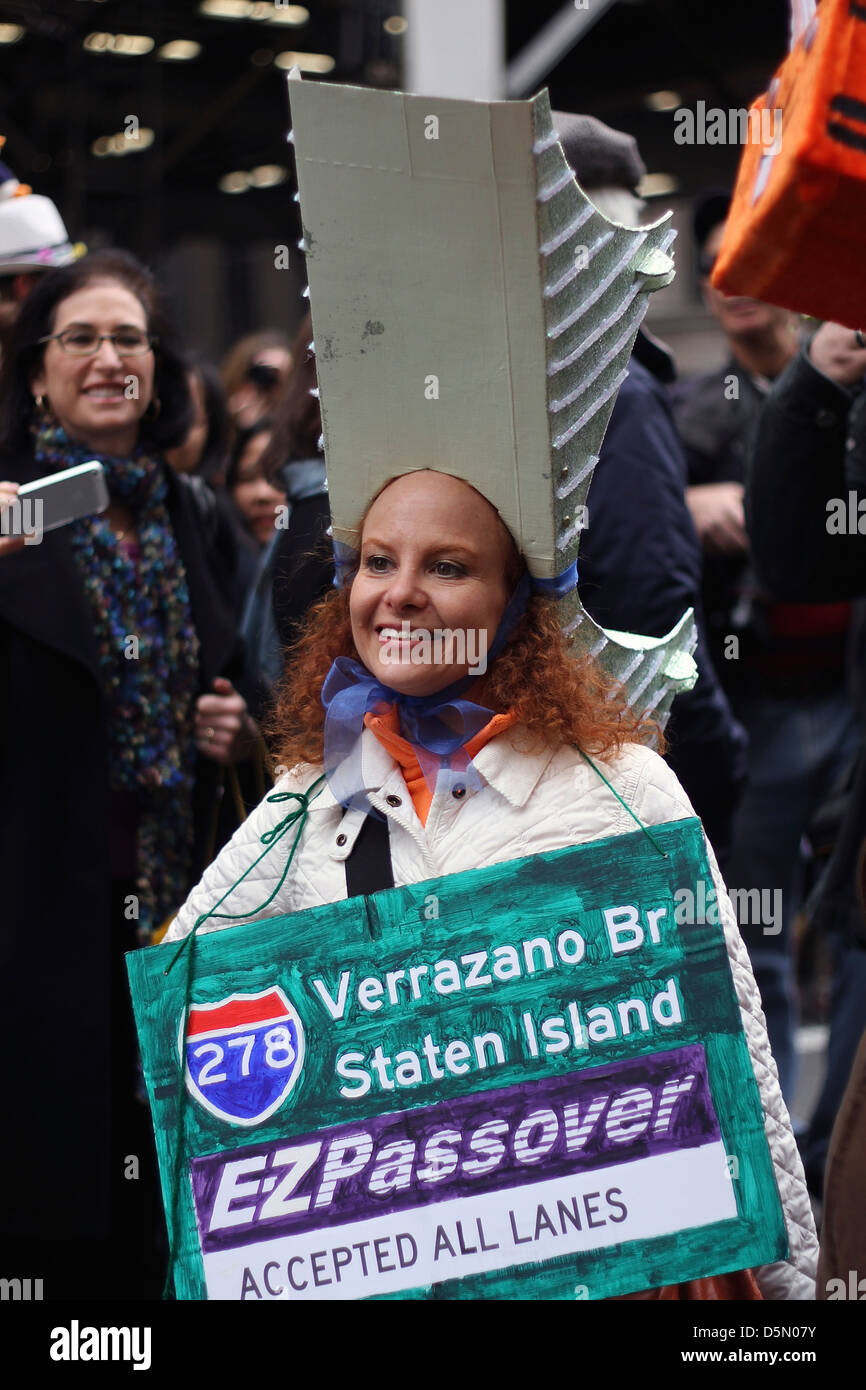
(84, 342)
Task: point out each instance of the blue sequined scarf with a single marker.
(148, 657)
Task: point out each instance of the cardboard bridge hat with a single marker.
(32, 233)
(474, 313)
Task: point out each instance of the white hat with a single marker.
(472, 313)
(32, 235)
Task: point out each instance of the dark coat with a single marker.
(58, 939)
(717, 417)
(810, 451)
(640, 569)
(303, 565)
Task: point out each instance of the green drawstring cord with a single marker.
(644, 828)
(269, 839)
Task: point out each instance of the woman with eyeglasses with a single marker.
(115, 645)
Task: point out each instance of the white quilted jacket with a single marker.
(527, 803)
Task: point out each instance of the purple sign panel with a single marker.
(485, 1142)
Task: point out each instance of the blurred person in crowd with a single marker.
(254, 375)
(250, 504)
(297, 565)
(808, 543)
(204, 456)
(640, 565)
(783, 664)
(115, 648)
(256, 499)
(33, 240)
(204, 451)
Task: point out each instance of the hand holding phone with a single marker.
(55, 500)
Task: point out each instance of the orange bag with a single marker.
(796, 230)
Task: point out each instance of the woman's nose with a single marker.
(267, 494)
(406, 591)
(107, 354)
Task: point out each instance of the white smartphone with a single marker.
(64, 497)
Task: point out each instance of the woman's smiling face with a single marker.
(434, 556)
(98, 399)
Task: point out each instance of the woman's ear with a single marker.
(37, 383)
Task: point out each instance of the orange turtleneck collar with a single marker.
(386, 727)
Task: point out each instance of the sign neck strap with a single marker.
(645, 828)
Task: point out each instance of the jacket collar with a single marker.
(510, 771)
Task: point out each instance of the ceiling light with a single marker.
(121, 144)
(307, 62)
(663, 101)
(179, 51)
(227, 9)
(10, 33)
(132, 45)
(237, 182)
(655, 185)
(268, 175)
(125, 45)
(281, 14)
(396, 24)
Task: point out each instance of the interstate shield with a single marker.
(244, 1054)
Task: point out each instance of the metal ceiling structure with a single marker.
(66, 98)
(226, 110)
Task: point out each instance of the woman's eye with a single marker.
(448, 569)
(377, 564)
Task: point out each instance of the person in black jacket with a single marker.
(806, 514)
(115, 648)
(782, 664)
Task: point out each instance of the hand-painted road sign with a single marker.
(537, 1092)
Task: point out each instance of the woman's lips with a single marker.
(393, 634)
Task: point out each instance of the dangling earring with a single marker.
(43, 408)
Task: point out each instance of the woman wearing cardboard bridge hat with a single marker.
(435, 718)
